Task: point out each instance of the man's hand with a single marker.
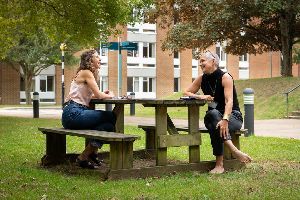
(224, 131)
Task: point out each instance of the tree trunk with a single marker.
(286, 28)
(28, 84)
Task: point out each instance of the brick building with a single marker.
(149, 71)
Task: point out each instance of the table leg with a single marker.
(193, 123)
(161, 129)
(119, 111)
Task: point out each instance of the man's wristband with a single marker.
(226, 117)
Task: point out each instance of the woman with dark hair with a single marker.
(76, 113)
(223, 117)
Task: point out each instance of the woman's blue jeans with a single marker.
(211, 119)
(77, 116)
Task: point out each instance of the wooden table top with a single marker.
(151, 102)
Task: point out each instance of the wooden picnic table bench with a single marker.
(121, 145)
(151, 144)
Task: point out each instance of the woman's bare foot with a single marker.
(217, 170)
(242, 157)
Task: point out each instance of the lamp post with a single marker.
(62, 47)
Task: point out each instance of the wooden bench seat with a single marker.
(121, 145)
(150, 134)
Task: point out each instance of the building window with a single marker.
(133, 53)
(176, 54)
(129, 84)
(148, 65)
(133, 84)
(132, 30)
(147, 84)
(176, 84)
(221, 53)
(148, 50)
(103, 83)
(22, 84)
(104, 52)
(136, 84)
(148, 31)
(46, 83)
(195, 54)
(243, 58)
(132, 65)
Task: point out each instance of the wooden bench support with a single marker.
(121, 146)
(150, 142)
(158, 171)
(55, 149)
(121, 155)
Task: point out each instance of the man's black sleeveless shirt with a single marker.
(212, 85)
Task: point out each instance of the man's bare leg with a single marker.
(241, 156)
(219, 168)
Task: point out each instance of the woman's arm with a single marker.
(89, 78)
(194, 88)
(227, 83)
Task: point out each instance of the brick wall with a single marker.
(164, 66)
(185, 69)
(233, 66)
(260, 65)
(296, 70)
(10, 85)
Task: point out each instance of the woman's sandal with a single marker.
(85, 164)
(95, 159)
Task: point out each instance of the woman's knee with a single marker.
(212, 117)
(109, 127)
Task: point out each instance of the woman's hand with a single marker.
(224, 131)
(109, 93)
(205, 97)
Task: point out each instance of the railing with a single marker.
(287, 98)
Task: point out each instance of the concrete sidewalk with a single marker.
(284, 128)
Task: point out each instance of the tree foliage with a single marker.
(82, 22)
(31, 30)
(250, 26)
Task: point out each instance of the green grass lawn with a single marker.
(274, 173)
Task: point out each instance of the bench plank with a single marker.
(93, 134)
(185, 129)
(179, 140)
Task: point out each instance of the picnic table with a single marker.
(166, 135)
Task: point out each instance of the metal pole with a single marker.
(63, 78)
(249, 110)
(35, 105)
(62, 48)
(287, 104)
(119, 68)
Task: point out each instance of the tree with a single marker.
(247, 26)
(33, 54)
(31, 30)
